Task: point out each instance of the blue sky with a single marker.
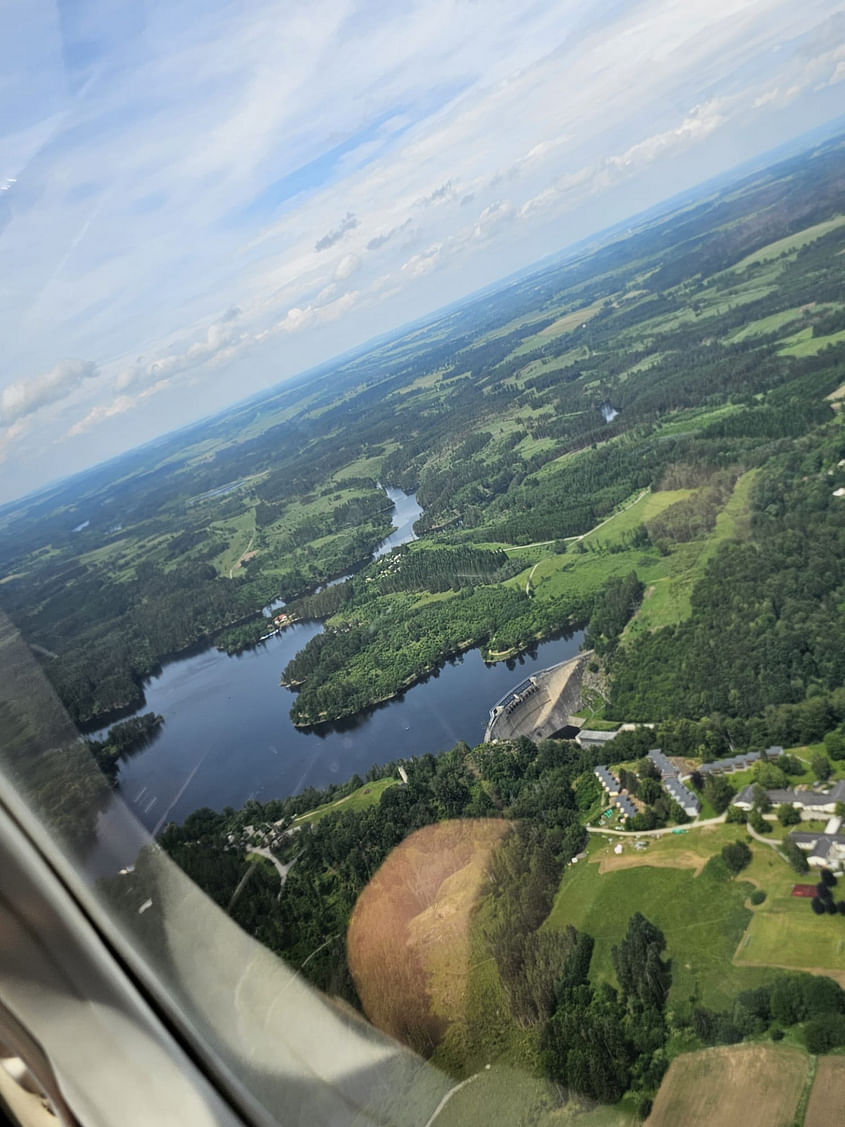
(198, 200)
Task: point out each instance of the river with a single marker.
(227, 735)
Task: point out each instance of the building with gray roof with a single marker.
(684, 797)
(625, 806)
(663, 764)
(608, 781)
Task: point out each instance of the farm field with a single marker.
(827, 1097)
(737, 1086)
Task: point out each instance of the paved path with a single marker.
(281, 869)
(449, 1095)
(759, 837)
(660, 832)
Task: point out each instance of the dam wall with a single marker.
(541, 704)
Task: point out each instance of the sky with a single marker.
(200, 199)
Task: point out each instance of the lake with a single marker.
(228, 737)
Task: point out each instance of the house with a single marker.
(739, 762)
(664, 765)
(684, 797)
(626, 807)
(811, 803)
(608, 781)
(823, 850)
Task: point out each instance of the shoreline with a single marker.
(422, 675)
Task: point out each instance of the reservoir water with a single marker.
(227, 735)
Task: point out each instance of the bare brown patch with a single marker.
(408, 939)
(740, 1086)
(655, 861)
(827, 1098)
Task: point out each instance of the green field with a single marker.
(790, 243)
(507, 1095)
(718, 943)
(667, 600)
(784, 931)
(703, 920)
(804, 343)
(360, 799)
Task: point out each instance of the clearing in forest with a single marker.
(736, 1086)
(408, 943)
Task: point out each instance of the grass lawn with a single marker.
(784, 931)
(696, 418)
(718, 943)
(804, 343)
(360, 799)
(506, 1095)
(632, 515)
(791, 242)
(765, 325)
(702, 918)
(584, 573)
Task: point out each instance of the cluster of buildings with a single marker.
(809, 803)
(738, 762)
(823, 848)
(670, 778)
(613, 789)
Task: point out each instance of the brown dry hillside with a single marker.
(827, 1099)
(408, 938)
(736, 1086)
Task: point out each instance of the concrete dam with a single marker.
(540, 705)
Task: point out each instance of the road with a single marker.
(759, 837)
(660, 833)
(569, 539)
(281, 869)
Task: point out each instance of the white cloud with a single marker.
(348, 265)
(423, 263)
(120, 405)
(222, 340)
(25, 397)
(347, 224)
(492, 217)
